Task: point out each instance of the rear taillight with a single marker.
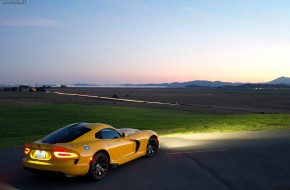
(26, 150)
(65, 154)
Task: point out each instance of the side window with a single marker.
(99, 135)
(108, 134)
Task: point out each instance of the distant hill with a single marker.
(258, 86)
(196, 83)
(206, 83)
(281, 80)
(277, 83)
(83, 85)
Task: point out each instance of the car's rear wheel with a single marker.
(152, 147)
(99, 166)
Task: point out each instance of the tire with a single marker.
(99, 166)
(152, 147)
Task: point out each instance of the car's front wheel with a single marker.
(152, 147)
(99, 166)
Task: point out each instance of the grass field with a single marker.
(25, 123)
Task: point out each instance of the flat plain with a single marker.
(205, 100)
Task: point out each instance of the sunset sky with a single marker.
(149, 41)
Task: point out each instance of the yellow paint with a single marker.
(38, 162)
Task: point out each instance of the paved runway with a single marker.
(244, 160)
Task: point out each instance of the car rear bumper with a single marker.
(68, 167)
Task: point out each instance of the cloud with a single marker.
(32, 22)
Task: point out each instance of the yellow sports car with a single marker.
(88, 148)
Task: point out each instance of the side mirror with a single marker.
(124, 135)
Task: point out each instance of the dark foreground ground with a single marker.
(245, 160)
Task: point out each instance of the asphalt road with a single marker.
(246, 160)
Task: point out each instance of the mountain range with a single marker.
(281, 82)
(205, 83)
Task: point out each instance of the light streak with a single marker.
(116, 99)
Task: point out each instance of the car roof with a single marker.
(97, 126)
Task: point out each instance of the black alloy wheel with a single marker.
(152, 147)
(99, 166)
